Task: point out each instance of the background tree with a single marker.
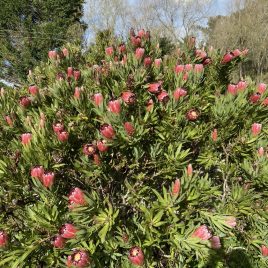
(28, 29)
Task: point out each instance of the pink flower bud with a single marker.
(65, 52)
(58, 242)
(179, 92)
(147, 62)
(236, 53)
(189, 170)
(163, 96)
(176, 187)
(265, 102)
(3, 239)
(129, 128)
(101, 146)
(215, 242)
(76, 198)
(37, 172)
(188, 67)
(26, 138)
(139, 53)
(9, 120)
(149, 105)
(185, 76)
(260, 151)
(24, 101)
(122, 48)
(214, 135)
(63, 136)
(33, 90)
(230, 221)
(200, 53)
(227, 57)
(155, 88)
(52, 54)
(256, 129)
(128, 97)
(58, 127)
(96, 159)
(70, 71)
(255, 97)
(77, 92)
(264, 251)
(109, 51)
(48, 179)
(202, 233)
(107, 131)
(241, 86)
(261, 88)
(141, 33)
(135, 40)
(98, 99)
(68, 231)
(89, 149)
(199, 68)
(157, 63)
(114, 106)
(77, 75)
(136, 256)
(179, 69)
(232, 89)
(207, 61)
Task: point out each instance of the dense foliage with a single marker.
(28, 29)
(134, 160)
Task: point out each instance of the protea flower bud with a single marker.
(214, 135)
(202, 233)
(155, 88)
(147, 62)
(179, 69)
(215, 242)
(114, 106)
(77, 92)
(139, 53)
(98, 99)
(128, 97)
(255, 97)
(33, 90)
(9, 120)
(122, 48)
(236, 53)
(101, 146)
(241, 85)
(261, 88)
(3, 239)
(37, 172)
(26, 138)
(232, 89)
(189, 170)
(89, 149)
(192, 115)
(77, 75)
(58, 241)
(109, 51)
(76, 197)
(68, 231)
(48, 179)
(199, 68)
(141, 33)
(256, 129)
(136, 256)
(52, 54)
(129, 128)
(58, 127)
(107, 131)
(227, 57)
(96, 159)
(179, 92)
(188, 67)
(136, 41)
(163, 96)
(260, 152)
(60, 76)
(63, 136)
(265, 102)
(70, 71)
(230, 221)
(157, 63)
(176, 187)
(149, 105)
(207, 61)
(264, 251)
(79, 258)
(185, 76)
(25, 101)
(65, 52)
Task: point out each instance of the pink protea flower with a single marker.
(256, 129)
(255, 97)
(70, 71)
(260, 152)
(76, 197)
(265, 102)
(232, 89)
(58, 127)
(157, 63)
(189, 170)
(163, 96)
(33, 90)
(200, 53)
(214, 135)
(141, 33)
(149, 105)
(9, 120)
(202, 233)
(207, 61)
(98, 99)
(227, 57)
(179, 92)
(147, 61)
(109, 51)
(215, 242)
(185, 76)
(25, 101)
(89, 149)
(199, 68)
(236, 53)
(179, 69)
(79, 258)
(128, 97)
(63, 136)
(155, 88)
(3, 239)
(96, 159)
(139, 53)
(101, 146)
(58, 241)
(129, 128)
(68, 231)
(114, 106)
(65, 52)
(77, 92)
(37, 172)
(264, 251)
(188, 67)
(135, 40)
(52, 54)
(192, 115)
(77, 75)
(122, 48)
(26, 138)
(261, 88)
(230, 221)
(176, 187)
(241, 85)
(107, 131)
(136, 256)
(48, 179)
